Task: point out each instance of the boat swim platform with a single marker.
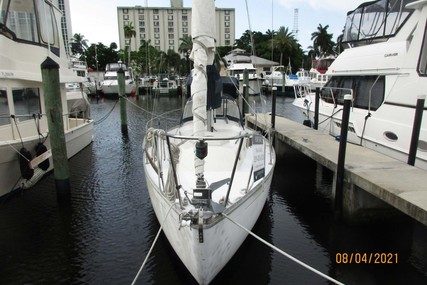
(393, 182)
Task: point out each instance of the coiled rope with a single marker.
(284, 253)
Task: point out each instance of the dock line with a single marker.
(284, 253)
(107, 115)
(152, 246)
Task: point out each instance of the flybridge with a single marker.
(375, 21)
(30, 22)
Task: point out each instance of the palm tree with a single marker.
(270, 35)
(172, 60)
(313, 52)
(129, 32)
(284, 41)
(185, 49)
(322, 41)
(78, 44)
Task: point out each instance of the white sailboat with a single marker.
(30, 31)
(384, 68)
(210, 170)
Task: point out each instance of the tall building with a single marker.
(164, 26)
(67, 34)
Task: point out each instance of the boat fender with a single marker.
(24, 163)
(307, 123)
(40, 149)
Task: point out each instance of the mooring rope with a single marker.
(284, 253)
(152, 245)
(107, 115)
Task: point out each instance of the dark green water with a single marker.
(104, 234)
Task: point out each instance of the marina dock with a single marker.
(368, 174)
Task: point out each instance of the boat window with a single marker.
(367, 91)
(26, 102)
(23, 21)
(20, 19)
(110, 78)
(375, 20)
(422, 62)
(4, 107)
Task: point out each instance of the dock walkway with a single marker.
(392, 181)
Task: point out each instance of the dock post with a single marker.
(416, 129)
(245, 106)
(338, 203)
(122, 99)
(273, 107)
(55, 123)
(316, 109)
(245, 87)
(283, 84)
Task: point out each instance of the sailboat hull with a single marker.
(221, 238)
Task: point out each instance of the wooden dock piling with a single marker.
(122, 100)
(53, 104)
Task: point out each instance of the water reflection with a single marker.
(107, 230)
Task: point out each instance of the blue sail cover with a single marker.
(214, 88)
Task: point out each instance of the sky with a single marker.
(96, 20)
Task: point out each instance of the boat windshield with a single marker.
(375, 21)
(229, 110)
(30, 22)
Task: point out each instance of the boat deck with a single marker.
(394, 182)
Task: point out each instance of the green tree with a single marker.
(172, 60)
(284, 41)
(185, 48)
(129, 32)
(78, 44)
(103, 54)
(245, 41)
(322, 41)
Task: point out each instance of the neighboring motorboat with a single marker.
(165, 86)
(384, 68)
(318, 71)
(110, 85)
(239, 62)
(210, 170)
(280, 77)
(25, 143)
(80, 68)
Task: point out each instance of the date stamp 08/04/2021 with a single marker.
(366, 258)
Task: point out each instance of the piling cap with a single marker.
(49, 64)
(348, 97)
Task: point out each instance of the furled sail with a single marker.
(203, 53)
